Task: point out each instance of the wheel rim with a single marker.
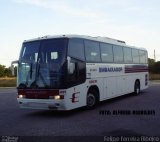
(91, 100)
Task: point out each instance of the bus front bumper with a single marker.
(46, 104)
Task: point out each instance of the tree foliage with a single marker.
(154, 67)
(2, 70)
(6, 72)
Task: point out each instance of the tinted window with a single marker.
(143, 56)
(76, 48)
(118, 53)
(29, 51)
(106, 52)
(53, 50)
(135, 55)
(92, 51)
(127, 55)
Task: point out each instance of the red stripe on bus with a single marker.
(38, 93)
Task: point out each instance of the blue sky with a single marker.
(135, 21)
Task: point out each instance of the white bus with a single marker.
(70, 71)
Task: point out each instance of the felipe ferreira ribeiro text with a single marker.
(127, 112)
(131, 139)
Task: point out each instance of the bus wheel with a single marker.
(137, 88)
(91, 99)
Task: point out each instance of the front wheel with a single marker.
(137, 88)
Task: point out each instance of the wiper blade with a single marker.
(22, 85)
(31, 71)
(34, 83)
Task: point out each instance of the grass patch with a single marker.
(7, 82)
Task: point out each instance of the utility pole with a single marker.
(154, 55)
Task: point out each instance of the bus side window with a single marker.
(76, 62)
(106, 52)
(135, 55)
(92, 51)
(142, 55)
(76, 48)
(127, 55)
(118, 53)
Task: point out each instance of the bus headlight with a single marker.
(21, 96)
(57, 97)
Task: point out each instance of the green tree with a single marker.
(157, 67)
(151, 65)
(2, 70)
(8, 72)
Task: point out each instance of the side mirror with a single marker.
(12, 66)
(71, 66)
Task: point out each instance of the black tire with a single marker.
(92, 99)
(137, 88)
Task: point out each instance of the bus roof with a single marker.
(98, 38)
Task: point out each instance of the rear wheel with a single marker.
(91, 99)
(137, 88)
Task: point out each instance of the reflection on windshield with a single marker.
(41, 64)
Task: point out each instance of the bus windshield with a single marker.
(42, 64)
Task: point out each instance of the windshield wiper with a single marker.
(38, 75)
(29, 75)
(34, 83)
(31, 71)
